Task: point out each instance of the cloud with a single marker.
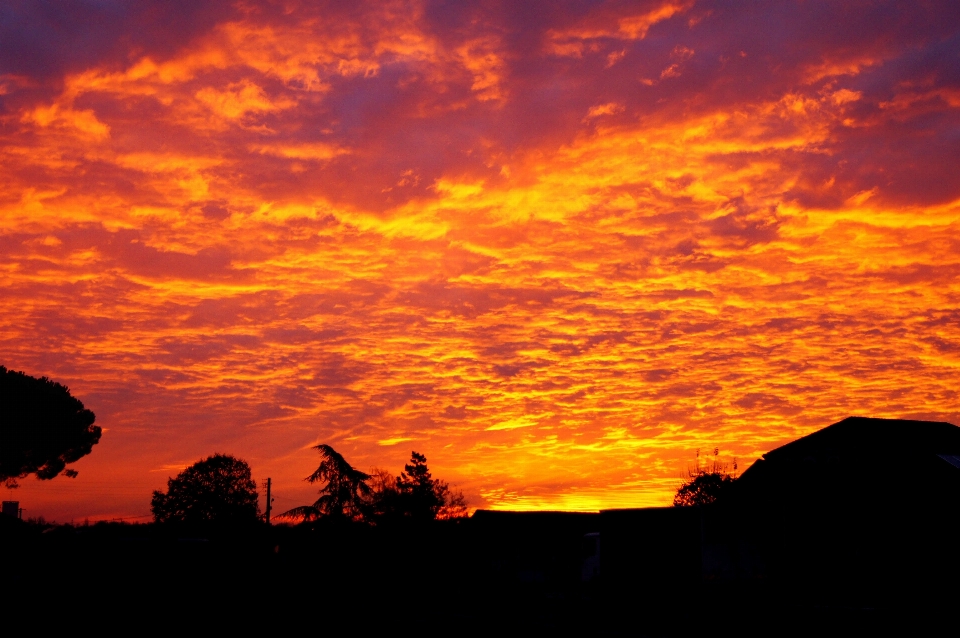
(558, 245)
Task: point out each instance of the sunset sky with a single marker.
(556, 247)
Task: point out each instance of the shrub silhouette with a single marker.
(704, 486)
(42, 428)
(216, 489)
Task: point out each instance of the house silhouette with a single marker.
(861, 513)
(861, 510)
(860, 460)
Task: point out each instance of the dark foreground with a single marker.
(492, 574)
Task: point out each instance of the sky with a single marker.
(556, 247)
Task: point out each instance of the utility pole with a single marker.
(269, 500)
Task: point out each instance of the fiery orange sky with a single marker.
(554, 246)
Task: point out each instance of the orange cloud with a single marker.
(556, 250)
(239, 99)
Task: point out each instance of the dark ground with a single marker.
(470, 576)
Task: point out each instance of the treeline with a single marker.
(220, 489)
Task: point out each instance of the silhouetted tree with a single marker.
(344, 493)
(416, 487)
(454, 502)
(416, 495)
(384, 501)
(217, 489)
(705, 485)
(42, 428)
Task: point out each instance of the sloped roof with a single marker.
(856, 442)
(863, 434)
